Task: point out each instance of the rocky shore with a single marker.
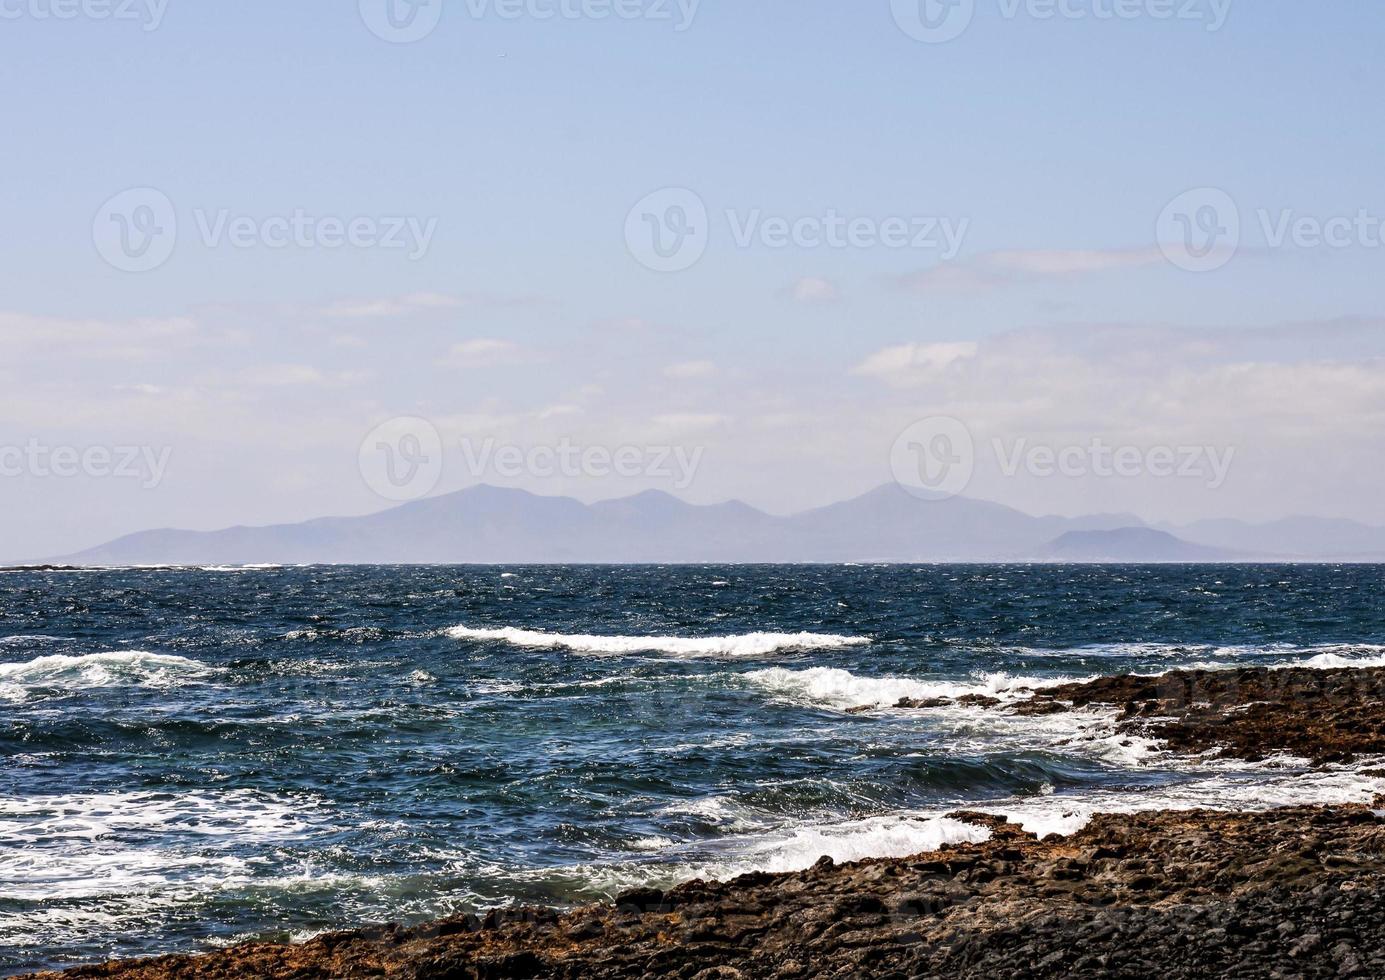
(1289, 893)
(1324, 715)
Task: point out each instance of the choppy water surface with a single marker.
(189, 757)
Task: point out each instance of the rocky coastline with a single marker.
(1294, 892)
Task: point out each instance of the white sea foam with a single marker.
(1344, 655)
(836, 688)
(787, 848)
(96, 670)
(352, 634)
(1256, 788)
(75, 846)
(742, 645)
(25, 639)
(1208, 656)
(1089, 732)
(855, 840)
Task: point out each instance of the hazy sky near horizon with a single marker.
(1149, 225)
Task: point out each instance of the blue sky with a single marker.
(1056, 142)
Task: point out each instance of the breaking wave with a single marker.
(742, 645)
(836, 688)
(134, 668)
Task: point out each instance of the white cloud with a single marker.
(392, 306)
(559, 411)
(1073, 262)
(909, 364)
(22, 333)
(415, 303)
(691, 369)
(814, 290)
(297, 376)
(483, 352)
(681, 423)
(1008, 267)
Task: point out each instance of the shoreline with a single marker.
(1292, 891)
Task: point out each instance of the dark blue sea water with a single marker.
(189, 757)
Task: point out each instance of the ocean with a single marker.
(191, 757)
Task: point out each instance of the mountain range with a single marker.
(493, 525)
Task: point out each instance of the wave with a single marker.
(352, 634)
(856, 840)
(1252, 789)
(792, 848)
(836, 688)
(1343, 655)
(1089, 732)
(134, 668)
(743, 645)
(85, 845)
(257, 567)
(1211, 656)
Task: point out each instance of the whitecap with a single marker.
(855, 840)
(83, 845)
(134, 668)
(743, 645)
(833, 687)
(1252, 789)
(1090, 731)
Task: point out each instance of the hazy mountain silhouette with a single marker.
(1132, 544)
(491, 525)
(1315, 538)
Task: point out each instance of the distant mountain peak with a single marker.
(1129, 544)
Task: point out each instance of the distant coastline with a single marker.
(494, 526)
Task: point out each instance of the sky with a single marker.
(269, 261)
